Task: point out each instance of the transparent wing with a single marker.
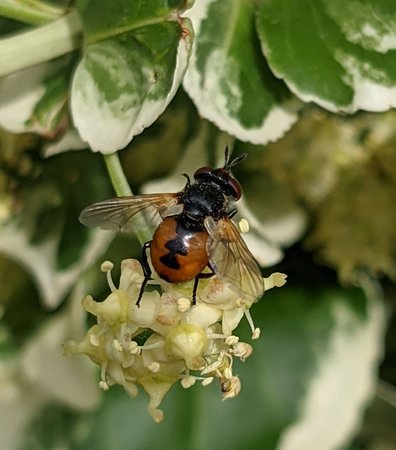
(232, 259)
(124, 213)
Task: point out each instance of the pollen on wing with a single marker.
(167, 339)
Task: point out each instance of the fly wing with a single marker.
(124, 213)
(232, 259)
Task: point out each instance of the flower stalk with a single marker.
(117, 176)
(122, 188)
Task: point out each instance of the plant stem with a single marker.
(117, 176)
(34, 12)
(121, 187)
(40, 44)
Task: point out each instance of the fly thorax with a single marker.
(204, 199)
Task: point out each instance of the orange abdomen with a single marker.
(178, 254)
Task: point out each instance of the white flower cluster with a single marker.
(166, 339)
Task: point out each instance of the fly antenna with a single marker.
(237, 160)
(228, 164)
(226, 157)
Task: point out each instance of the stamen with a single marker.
(230, 359)
(228, 373)
(94, 340)
(188, 381)
(242, 350)
(244, 226)
(232, 340)
(255, 331)
(103, 385)
(183, 304)
(110, 281)
(133, 348)
(152, 346)
(154, 367)
(207, 381)
(107, 266)
(216, 335)
(211, 367)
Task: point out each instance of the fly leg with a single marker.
(146, 271)
(201, 276)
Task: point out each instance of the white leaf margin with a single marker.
(19, 94)
(363, 24)
(40, 261)
(69, 141)
(68, 380)
(39, 374)
(212, 105)
(19, 403)
(333, 408)
(94, 119)
(266, 238)
(369, 94)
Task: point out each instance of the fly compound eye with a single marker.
(202, 172)
(235, 188)
(221, 173)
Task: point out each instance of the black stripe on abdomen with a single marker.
(170, 260)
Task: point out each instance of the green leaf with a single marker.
(52, 426)
(305, 45)
(370, 24)
(46, 237)
(8, 26)
(36, 99)
(19, 93)
(70, 381)
(172, 131)
(229, 80)
(20, 305)
(113, 18)
(51, 111)
(379, 422)
(133, 64)
(43, 380)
